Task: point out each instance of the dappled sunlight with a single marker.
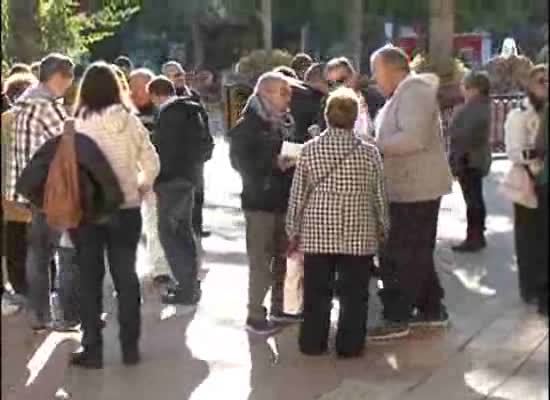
(472, 278)
(391, 359)
(44, 352)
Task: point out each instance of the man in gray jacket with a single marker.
(409, 136)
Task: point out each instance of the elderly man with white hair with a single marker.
(255, 152)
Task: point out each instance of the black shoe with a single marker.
(261, 327)
(130, 355)
(87, 359)
(205, 234)
(542, 307)
(436, 320)
(388, 331)
(470, 246)
(283, 317)
(177, 296)
(350, 354)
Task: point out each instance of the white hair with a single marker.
(172, 64)
(145, 73)
(268, 79)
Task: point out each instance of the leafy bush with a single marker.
(258, 62)
(453, 72)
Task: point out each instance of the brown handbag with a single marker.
(62, 205)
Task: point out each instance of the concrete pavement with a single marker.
(495, 349)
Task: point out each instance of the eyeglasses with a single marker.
(336, 83)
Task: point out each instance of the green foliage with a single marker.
(452, 73)
(5, 29)
(258, 62)
(65, 30)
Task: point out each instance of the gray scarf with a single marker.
(280, 121)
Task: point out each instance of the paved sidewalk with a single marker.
(495, 349)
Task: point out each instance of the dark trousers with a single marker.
(43, 242)
(118, 239)
(471, 182)
(14, 249)
(174, 208)
(542, 193)
(531, 242)
(407, 266)
(348, 277)
(198, 205)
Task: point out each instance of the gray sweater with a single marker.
(409, 135)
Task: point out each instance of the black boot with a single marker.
(475, 241)
(130, 354)
(88, 358)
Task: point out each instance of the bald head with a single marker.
(138, 81)
(390, 65)
(275, 88)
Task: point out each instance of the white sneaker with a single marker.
(9, 308)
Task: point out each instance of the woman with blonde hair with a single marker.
(338, 217)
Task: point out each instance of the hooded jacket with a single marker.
(124, 140)
(182, 140)
(409, 135)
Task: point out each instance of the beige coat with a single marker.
(409, 135)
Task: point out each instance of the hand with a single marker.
(143, 190)
(292, 246)
(285, 162)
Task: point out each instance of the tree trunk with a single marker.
(441, 32)
(198, 43)
(24, 40)
(266, 15)
(355, 32)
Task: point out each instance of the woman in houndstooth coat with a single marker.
(338, 217)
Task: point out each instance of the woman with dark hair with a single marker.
(470, 155)
(102, 114)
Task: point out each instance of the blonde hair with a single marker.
(342, 109)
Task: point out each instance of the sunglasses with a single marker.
(542, 81)
(336, 83)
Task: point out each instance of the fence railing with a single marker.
(500, 107)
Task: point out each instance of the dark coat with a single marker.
(100, 190)
(254, 149)
(375, 100)
(469, 133)
(306, 110)
(182, 140)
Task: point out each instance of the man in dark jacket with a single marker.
(305, 104)
(470, 155)
(184, 145)
(255, 152)
(175, 72)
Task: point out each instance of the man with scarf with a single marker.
(255, 152)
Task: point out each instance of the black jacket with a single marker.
(375, 100)
(306, 110)
(182, 140)
(100, 190)
(147, 114)
(253, 152)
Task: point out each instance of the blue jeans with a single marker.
(175, 226)
(43, 242)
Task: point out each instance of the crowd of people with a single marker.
(336, 177)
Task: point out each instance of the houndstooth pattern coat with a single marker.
(338, 209)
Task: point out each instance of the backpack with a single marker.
(62, 205)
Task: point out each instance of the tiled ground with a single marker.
(496, 348)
